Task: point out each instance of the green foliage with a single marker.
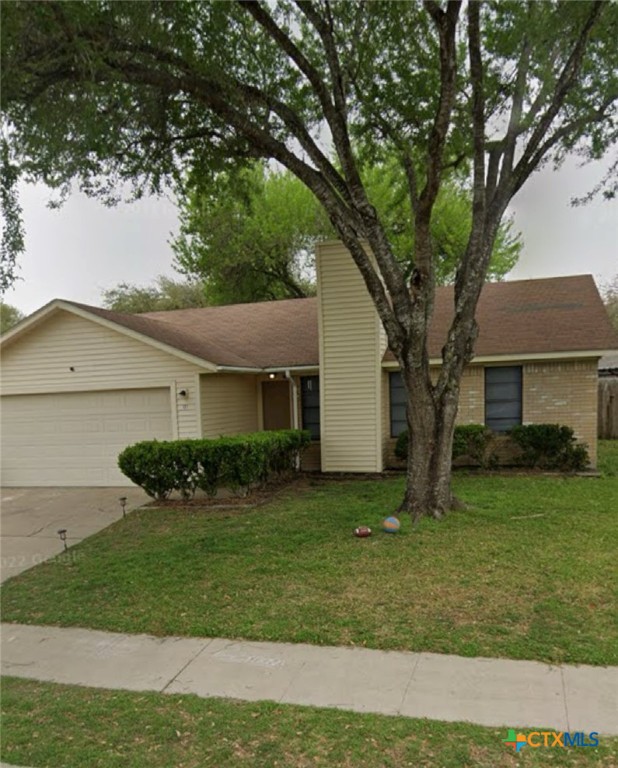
(13, 243)
(608, 457)
(107, 95)
(450, 226)
(165, 294)
(470, 440)
(609, 293)
(9, 316)
(227, 462)
(250, 235)
(549, 446)
(401, 446)
(84, 726)
(142, 95)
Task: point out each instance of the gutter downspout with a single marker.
(290, 378)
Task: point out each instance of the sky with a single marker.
(84, 248)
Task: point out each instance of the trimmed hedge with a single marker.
(541, 446)
(550, 446)
(160, 468)
(468, 440)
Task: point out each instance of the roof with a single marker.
(518, 318)
(531, 317)
(608, 365)
(267, 334)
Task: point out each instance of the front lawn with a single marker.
(50, 725)
(529, 572)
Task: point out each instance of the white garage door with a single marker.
(75, 438)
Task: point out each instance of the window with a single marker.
(503, 408)
(310, 404)
(398, 404)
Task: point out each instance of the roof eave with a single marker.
(59, 304)
(524, 356)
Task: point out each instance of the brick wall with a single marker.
(563, 393)
(553, 393)
(471, 407)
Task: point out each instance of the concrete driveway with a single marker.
(30, 519)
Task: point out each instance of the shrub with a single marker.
(472, 440)
(469, 440)
(549, 446)
(227, 462)
(401, 446)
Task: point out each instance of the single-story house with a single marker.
(80, 383)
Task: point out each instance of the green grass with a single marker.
(608, 457)
(57, 725)
(529, 572)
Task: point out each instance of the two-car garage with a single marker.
(78, 387)
(73, 439)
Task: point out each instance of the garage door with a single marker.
(75, 438)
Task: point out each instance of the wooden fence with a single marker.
(608, 407)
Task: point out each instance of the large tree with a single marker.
(104, 93)
(250, 236)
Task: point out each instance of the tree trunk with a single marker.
(431, 423)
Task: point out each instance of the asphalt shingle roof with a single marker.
(560, 314)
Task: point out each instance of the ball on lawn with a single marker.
(391, 525)
(362, 532)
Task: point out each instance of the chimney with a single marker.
(352, 343)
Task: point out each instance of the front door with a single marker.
(276, 404)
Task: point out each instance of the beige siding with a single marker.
(101, 359)
(563, 393)
(229, 404)
(350, 378)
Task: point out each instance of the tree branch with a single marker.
(568, 77)
(335, 115)
(446, 21)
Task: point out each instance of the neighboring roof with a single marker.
(518, 318)
(608, 365)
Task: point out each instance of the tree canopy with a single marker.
(108, 94)
(9, 316)
(250, 236)
(609, 292)
(164, 294)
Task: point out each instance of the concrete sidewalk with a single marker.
(493, 692)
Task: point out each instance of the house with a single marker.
(80, 383)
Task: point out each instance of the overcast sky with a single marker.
(84, 248)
